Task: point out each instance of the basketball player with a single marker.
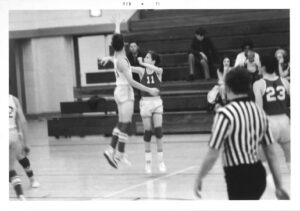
(18, 143)
(124, 97)
(271, 94)
(151, 107)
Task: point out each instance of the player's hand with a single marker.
(281, 194)
(140, 60)
(116, 19)
(154, 91)
(103, 61)
(198, 188)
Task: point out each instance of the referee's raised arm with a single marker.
(238, 129)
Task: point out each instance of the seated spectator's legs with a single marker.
(205, 66)
(192, 65)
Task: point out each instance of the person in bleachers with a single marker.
(216, 96)
(132, 55)
(283, 63)
(253, 66)
(242, 57)
(202, 51)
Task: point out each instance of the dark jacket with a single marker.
(206, 46)
(133, 60)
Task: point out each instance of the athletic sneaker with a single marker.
(121, 158)
(22, 198)
(34, 184)
(162, 167)
(109, 155)
(148, 167)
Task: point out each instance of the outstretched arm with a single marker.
(117, 21)
(123, 67)
(104, 60)
(138, 70)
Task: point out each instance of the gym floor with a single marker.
(75, 169)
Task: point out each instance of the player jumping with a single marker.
(124, 97)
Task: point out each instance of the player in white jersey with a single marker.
(124, 97)
(18, 148)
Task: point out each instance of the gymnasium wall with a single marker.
(48, 61)
(49, 74)
(40, 19)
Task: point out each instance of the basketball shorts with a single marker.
(123, 94)
(150, 106)
(280, 127)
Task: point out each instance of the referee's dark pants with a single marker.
(246, 181)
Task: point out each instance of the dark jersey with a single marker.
(275, 97)
(150, 80)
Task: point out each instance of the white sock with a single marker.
(160, 156)
(148, 156)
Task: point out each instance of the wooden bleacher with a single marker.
(169, 32)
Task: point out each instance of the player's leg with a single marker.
(25, 163)
(146, 114)
(14, 179)
(125, 114)
(284, 139)
(109, 153)
(287, 153)
(147, 140)
(157, 121)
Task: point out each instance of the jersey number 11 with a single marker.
(150, 80)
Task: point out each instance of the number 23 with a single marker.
(272, 95)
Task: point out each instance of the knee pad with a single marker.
(125, 127)
(158, 132)
(116, 131)
(124, 131)
(25, 163)
(147, 135)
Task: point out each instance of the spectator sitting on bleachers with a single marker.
(283, 63)
(216, 96)
(202, 51)
(242, 56)
(253, 66)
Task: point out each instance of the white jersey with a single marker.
(12, 113)
(120, 77)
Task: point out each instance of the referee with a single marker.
(238, 129)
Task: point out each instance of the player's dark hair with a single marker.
(200, 31)
(247, 42)
(270, 63)
(238, 80)
(133, 41)
(155, 57)
(117, 42)
(221, 66)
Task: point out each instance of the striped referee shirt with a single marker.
(239, 127)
